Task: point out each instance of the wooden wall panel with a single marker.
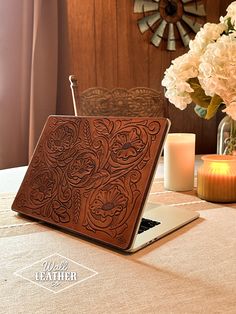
(132, 52)
(223, 6)
(64, 101)
(106, 43)
(77, 49)
(101, 43)
(81, 17)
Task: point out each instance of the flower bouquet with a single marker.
(206, 74)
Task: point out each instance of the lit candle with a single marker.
(179, 157)
(217, 178)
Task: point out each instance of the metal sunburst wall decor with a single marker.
(170, 20)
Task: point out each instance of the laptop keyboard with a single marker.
(147, 224)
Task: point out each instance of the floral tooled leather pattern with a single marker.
(127, 145)
(81, 168)
(89, 173)
(108, 203)
(61, 139)
(42, 187)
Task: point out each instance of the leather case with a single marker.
(92, 175)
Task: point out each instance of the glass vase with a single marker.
(226, 137)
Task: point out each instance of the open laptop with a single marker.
(93, 175)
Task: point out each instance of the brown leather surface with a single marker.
(91, 174)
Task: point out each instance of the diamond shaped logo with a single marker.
(56, 273)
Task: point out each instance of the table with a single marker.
(192, 270)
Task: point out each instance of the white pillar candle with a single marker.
(179, 157)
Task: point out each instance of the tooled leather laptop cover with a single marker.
(92, 174)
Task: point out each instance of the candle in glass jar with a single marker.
(179, 157)
(217, 178)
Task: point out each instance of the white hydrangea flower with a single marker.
(217, 69)
(231, 13)
(231, 110)
(207, 34)
(212, 60)
(175, 79)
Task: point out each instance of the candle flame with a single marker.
(220, 168)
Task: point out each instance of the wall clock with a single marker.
(170, 20)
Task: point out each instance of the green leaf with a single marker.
(198, 96)
(200, 111)
(215, 103)
(230, 26)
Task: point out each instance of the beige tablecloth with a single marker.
(192, 270)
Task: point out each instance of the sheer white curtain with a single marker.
(28, 75)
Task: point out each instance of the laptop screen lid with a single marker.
(92, 175)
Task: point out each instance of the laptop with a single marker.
(93, 175)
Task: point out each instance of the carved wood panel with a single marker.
(139, 101)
